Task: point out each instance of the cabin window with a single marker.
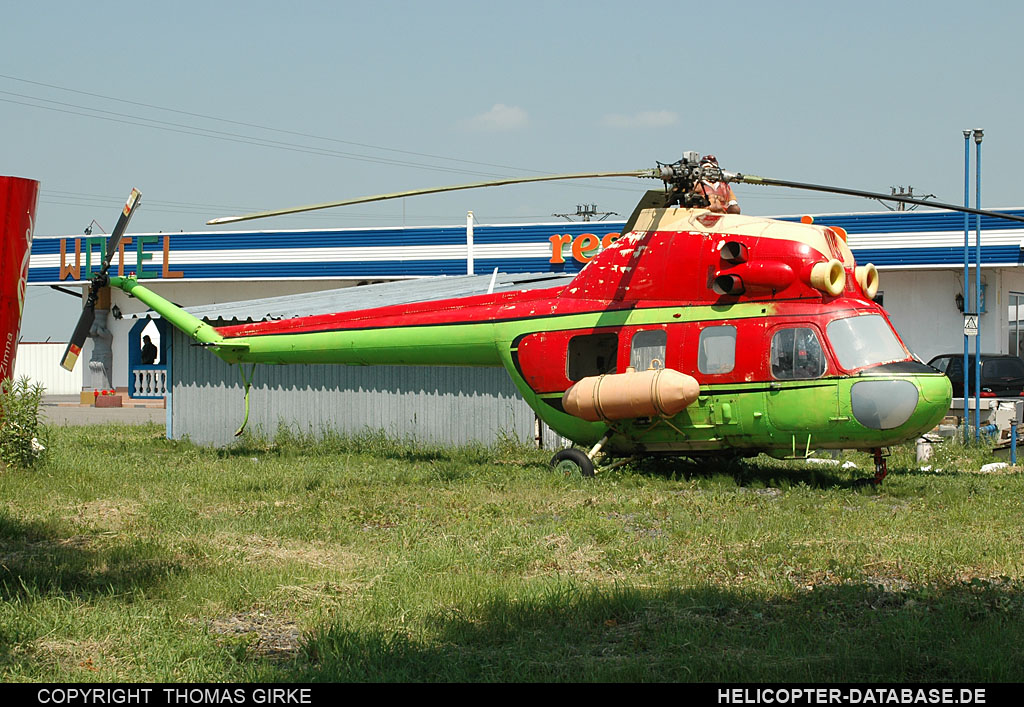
(716, 350)
(796, 354)
(592, 355)
(864, 341)
(648, 349)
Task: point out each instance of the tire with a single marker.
(572, 461)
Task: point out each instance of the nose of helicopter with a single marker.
(914, 404)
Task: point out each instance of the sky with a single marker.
(219, 108)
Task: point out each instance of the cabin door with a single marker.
(799, 397)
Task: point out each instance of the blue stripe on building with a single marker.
(991, 255)
(247, 247)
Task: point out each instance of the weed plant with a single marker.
(128, 557)
(22, 433)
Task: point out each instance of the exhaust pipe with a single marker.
(764, 274)
(728, 285)
(734, 252)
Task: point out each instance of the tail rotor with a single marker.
(99, 281)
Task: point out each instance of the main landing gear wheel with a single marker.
(571, 461)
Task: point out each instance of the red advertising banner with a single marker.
(17, 219)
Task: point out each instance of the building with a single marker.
(919, 254)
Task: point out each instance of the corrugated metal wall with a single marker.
(41, 363)
(444, 405)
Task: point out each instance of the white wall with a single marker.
(922, 307)
(41, 363)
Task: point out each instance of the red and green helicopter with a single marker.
(694, 333)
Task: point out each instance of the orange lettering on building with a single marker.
(557, 241)
(584, 246)
(167, 272)
(75, 271)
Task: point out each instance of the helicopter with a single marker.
(694, 333)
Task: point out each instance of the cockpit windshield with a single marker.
(864, 341)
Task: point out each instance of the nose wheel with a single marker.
(881, 469)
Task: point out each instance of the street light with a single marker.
(978, 134)
(967, 278)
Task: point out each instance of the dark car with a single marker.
(1002, 375)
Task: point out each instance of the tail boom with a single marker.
(464, 343)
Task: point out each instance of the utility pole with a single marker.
(586, 212)
(909, 192)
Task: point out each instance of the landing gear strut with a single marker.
(881, 470)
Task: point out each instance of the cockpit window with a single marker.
(864, 341)
(796, 354)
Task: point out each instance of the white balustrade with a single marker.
(149, 382)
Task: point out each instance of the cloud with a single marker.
(500, 118)
(643, 119)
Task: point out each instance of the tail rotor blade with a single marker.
(134, 201)
(81, 333)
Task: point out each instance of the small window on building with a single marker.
(796, 354)
(648, 349)
(1015, 318)
(716, 350)
(149, 347)
(592, 355)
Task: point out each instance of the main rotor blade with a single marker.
(134, 200)
(768, 181)
(433, 190)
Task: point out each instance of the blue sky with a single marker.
(226, 107)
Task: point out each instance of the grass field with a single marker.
(126, 557)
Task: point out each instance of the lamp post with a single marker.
(978, 133)
(967, 292)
